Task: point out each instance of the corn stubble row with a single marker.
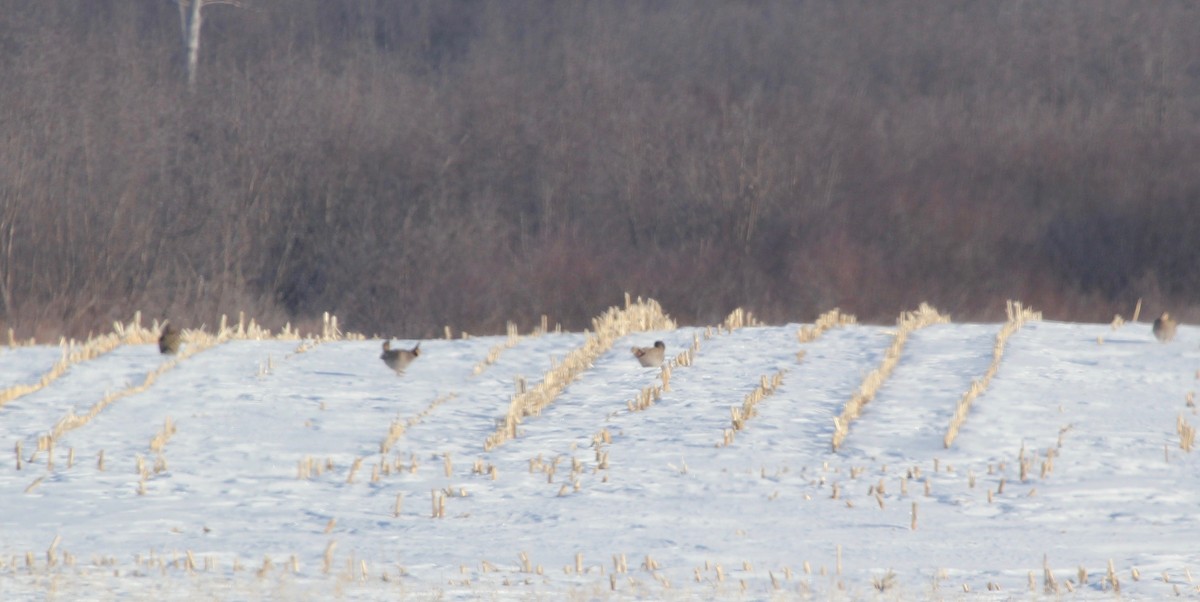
(1017, 317)
(57, 563)
(646, 398)
(613, 324)
(74, 352)
(831, 319)
(653, 392)
(906, 324)
(512, 339)
(196, 341)
(740, 414)
(134, 333)
(738, 318)
(651, 318)
(400, 426)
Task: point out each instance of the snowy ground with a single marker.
(221, 511)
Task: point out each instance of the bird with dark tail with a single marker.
(651, 357)
(399, 359)
(168, 341)
(1164, 328)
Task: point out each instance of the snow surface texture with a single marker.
(268, 480)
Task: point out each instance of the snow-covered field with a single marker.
(268, 481)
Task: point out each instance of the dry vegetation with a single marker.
(195, 341)
(738, 318)
(1017, 316)
(134, 333)
(415, 164)
(614, 323)
(833, 318)
(906, 324)
(513, 339)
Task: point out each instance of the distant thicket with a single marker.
(412, 164)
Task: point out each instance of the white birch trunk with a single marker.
(192, 40)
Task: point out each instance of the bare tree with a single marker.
(479, 162)
(8, 220)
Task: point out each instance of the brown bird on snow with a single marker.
(168, 341)
(1164, 328)
(399, 359)
(651, 357)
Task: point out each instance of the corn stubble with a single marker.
(512, 340)
(738, 318)
(74, 352)
(1187, 433)
(400, 426)
(739, 416)
(1017, 317)
(134, 333)
(195, 341)
(613, 324)
(906, 324)
(833, 318)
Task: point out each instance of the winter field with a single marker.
(830, 460)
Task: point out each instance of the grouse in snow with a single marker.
(399, 359)
(1164, 328)
(651, 357)
(168, 341)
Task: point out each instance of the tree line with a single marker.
(414, 164)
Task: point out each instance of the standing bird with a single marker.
(1164, 328)
(651, 357)
(168, 341)
(399, 359)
